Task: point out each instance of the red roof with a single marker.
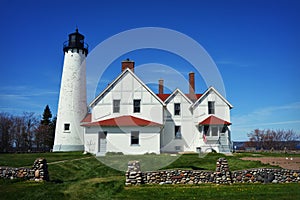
(87, 118)
(123, 121)
(163, 97)
(212, 120)
(192, 97)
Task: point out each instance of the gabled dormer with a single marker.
(211, 91)
(127, 95)
(177, 105)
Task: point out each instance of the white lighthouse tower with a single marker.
(72, 106)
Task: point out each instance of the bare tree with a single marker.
(30, 124)
(6, 140)
(26, 132)
(272, 139)
(17, 133)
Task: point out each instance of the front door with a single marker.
(102, 142)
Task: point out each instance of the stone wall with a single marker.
(38, 172)
(266, 176)
(222, 175)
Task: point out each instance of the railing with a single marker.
(66, 45)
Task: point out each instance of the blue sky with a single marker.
(255, 45)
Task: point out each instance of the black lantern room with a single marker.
(76, 43)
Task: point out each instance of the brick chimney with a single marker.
(191, 83)
(128, 64)
(160, 86)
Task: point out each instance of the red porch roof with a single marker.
(123, 121)
(212, 120)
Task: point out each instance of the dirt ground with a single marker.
(283, 162)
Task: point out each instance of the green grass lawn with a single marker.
(192, 161)
(26, 160)
(87, 178)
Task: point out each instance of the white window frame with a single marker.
(137, 135)
(134, 107)
(177, 134)
(177, 104)
(119, 107)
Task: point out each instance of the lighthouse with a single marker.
(72, 106)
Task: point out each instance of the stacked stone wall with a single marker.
(38, 172)
(222, 175)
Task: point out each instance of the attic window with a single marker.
(136, 105)
(116, 106)
(176, 108)
(211, 107)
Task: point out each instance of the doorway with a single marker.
(102, 142)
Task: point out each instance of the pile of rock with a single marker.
(134, 176)
(39, 171)
(40, 168)
(222, 174)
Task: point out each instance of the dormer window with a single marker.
(116, 106)
(176, 108)
(136, 105)
(211, 107)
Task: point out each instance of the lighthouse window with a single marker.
(66, 127)
(73, 38)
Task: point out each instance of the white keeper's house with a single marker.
(128, 117)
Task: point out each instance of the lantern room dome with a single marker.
(76, 42)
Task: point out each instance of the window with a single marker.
(73, 38)
(176, 108)
(177, 132)
(136, 105)
(214, 131)
(134, 137)
(102, 134)
(206, 130)
(223, 129)
(177, 148)
(116, 106)
(211, 107)
(66, 127)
